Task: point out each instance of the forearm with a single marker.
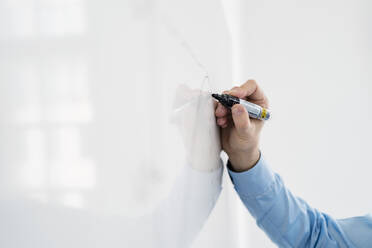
(286, 219)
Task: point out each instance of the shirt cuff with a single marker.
(254, 181)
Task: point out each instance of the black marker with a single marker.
(254, 110)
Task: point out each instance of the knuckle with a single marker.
(245, 126)
(250, 84)
(251, 81)
(217, 111)
(220, 111)
(236, 91)
(221, 121)
(235, 108)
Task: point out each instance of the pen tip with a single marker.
(217, 97)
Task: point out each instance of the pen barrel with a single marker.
(256, 111)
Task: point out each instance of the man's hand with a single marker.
(239, 134)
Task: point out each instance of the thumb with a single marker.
(241, 119)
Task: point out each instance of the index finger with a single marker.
(251, 91)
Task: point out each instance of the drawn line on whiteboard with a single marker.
(173, 32)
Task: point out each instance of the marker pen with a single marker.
(254, 110)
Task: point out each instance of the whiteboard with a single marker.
(108, 137)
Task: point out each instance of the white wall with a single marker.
(313, 59)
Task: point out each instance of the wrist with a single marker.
(244, 161)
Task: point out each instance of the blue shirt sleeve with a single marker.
(291, 222)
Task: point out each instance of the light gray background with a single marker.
(69, 137)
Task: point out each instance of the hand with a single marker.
(240, 134)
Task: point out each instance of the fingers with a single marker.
(251, 91)
(236, 91)
(224, 121)
(254, 92)
(222, 116)
(221, 111)
(241, 119)
(239, 116)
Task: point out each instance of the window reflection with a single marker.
(66, 89)
(17, 18)
(24, 18)
(61, 17)
(50, 97)
(72, 199)
(26, 83)
(33, 174)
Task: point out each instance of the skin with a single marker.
(240, 135)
